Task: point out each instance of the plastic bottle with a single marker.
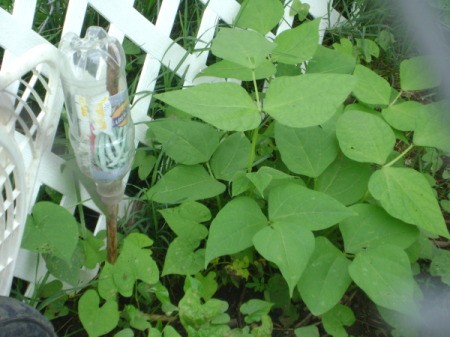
(96, 96)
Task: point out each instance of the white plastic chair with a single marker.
(28, 121)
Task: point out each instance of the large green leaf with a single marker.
(370, 87)
(406, 194)
(372, 226)
(433, 126)
(402, 116)
(134, 263)
(184, 219)
(182, 259)
(51, 229)
(97, 320)
(185, 183)
(298, 205)
(418, 73)
(345, 180)
(328, 60)
(186, 142)
(306, 151)
(234, 227)
(260, 15)
(365, 137)
(287, 245)
(325, 279)
(231, 156)
(298, 101)
(226, 106)
(334, 320)
(297, 45)
(249, 48)
(227, 69)
(384, 274)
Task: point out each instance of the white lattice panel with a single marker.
(154, 39)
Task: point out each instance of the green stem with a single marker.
(255, 85)
(255, 134)
(396, 98)
(156, 169)
(365, 196)
(34, 298)
(208, 167)
(400, 156)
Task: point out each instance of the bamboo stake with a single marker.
(111, 233)
(112, 84)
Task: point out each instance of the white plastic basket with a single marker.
(30, 152)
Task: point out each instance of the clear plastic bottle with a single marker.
(96, 96)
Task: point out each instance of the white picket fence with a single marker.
(28, 121)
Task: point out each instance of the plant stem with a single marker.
(111, 233)
(400, 156)
(255, 85)
(156, 170)
(255, 131)
(396, 98)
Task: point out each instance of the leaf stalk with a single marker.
(400, 156)
(255, 131)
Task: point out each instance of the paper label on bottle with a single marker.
(81, 107)
(100, 114)
(82, 111)
(120, 108)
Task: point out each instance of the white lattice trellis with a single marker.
(17, 39)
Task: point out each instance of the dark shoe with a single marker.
(17, 319)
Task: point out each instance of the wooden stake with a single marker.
(112, 84)
(111, 233)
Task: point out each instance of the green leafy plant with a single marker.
(312, 179)
(318, 184)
